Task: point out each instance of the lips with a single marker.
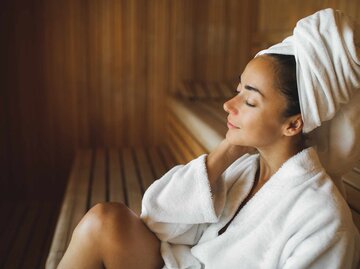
(231, 126)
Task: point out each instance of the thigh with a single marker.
(127, 241)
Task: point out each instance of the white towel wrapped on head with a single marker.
(326, 46)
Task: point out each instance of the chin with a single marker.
(233, 140)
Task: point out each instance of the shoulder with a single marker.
(313, 196)
(320, 205)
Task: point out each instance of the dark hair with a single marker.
(286, 82)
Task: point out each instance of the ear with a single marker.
(293, 125)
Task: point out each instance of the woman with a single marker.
(277, 208)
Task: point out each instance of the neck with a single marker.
(273, 157)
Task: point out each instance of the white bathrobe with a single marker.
(298, 219)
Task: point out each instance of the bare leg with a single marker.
(110, 235)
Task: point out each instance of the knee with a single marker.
(101, 218)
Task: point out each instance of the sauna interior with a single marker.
(102, 78)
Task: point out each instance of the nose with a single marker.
(229, 106)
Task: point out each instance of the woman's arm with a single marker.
(221, 158)
(181, 204)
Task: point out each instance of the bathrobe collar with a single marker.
(293, 172)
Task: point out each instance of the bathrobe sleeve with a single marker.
(180, 205)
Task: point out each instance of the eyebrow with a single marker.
(250, 88)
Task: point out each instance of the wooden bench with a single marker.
(104, 175)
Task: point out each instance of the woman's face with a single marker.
(255, 113)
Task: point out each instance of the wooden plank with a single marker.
(156, 162)
(61, 231)
(106, 73)
(119, 88)
(216, 40)
(98, 188)
(41, 230)
(173, 149)
(218, 108)
(168, 158)
(81, 198)
(133, 188)
(357, 164)
(208, 109)
(73, 206)
(356, 218)
(213, 123)
(206, 130)
(18, 246)
(116, 186)
(180, 146)
(353, 179)
(352, 196)
(12, 229)
(195, 146)
(49, 236)
(143, 164)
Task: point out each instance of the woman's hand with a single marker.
(234, 152)
(221, 158)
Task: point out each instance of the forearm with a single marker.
(221, 158)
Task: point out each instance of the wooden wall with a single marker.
(87, 73)
(277, 18)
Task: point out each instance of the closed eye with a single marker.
(248, 104)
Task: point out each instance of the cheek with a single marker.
(257, 129)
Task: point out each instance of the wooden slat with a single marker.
(212, 111)
(168, 157)
(357, 164)
(218, 107)
(98, 188)
(353, 179)
(213, 122)
(205, 128)
(116, 187)
(173, 149)
(191, 142)
(73, 207)
(180, 146)
(156, 162)
(144, 167)
(356, 218)
(132, 182)
(352, 196)
(81, 199)
(18, 246)
(49, 237)
(61, 232)
(42, 229)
